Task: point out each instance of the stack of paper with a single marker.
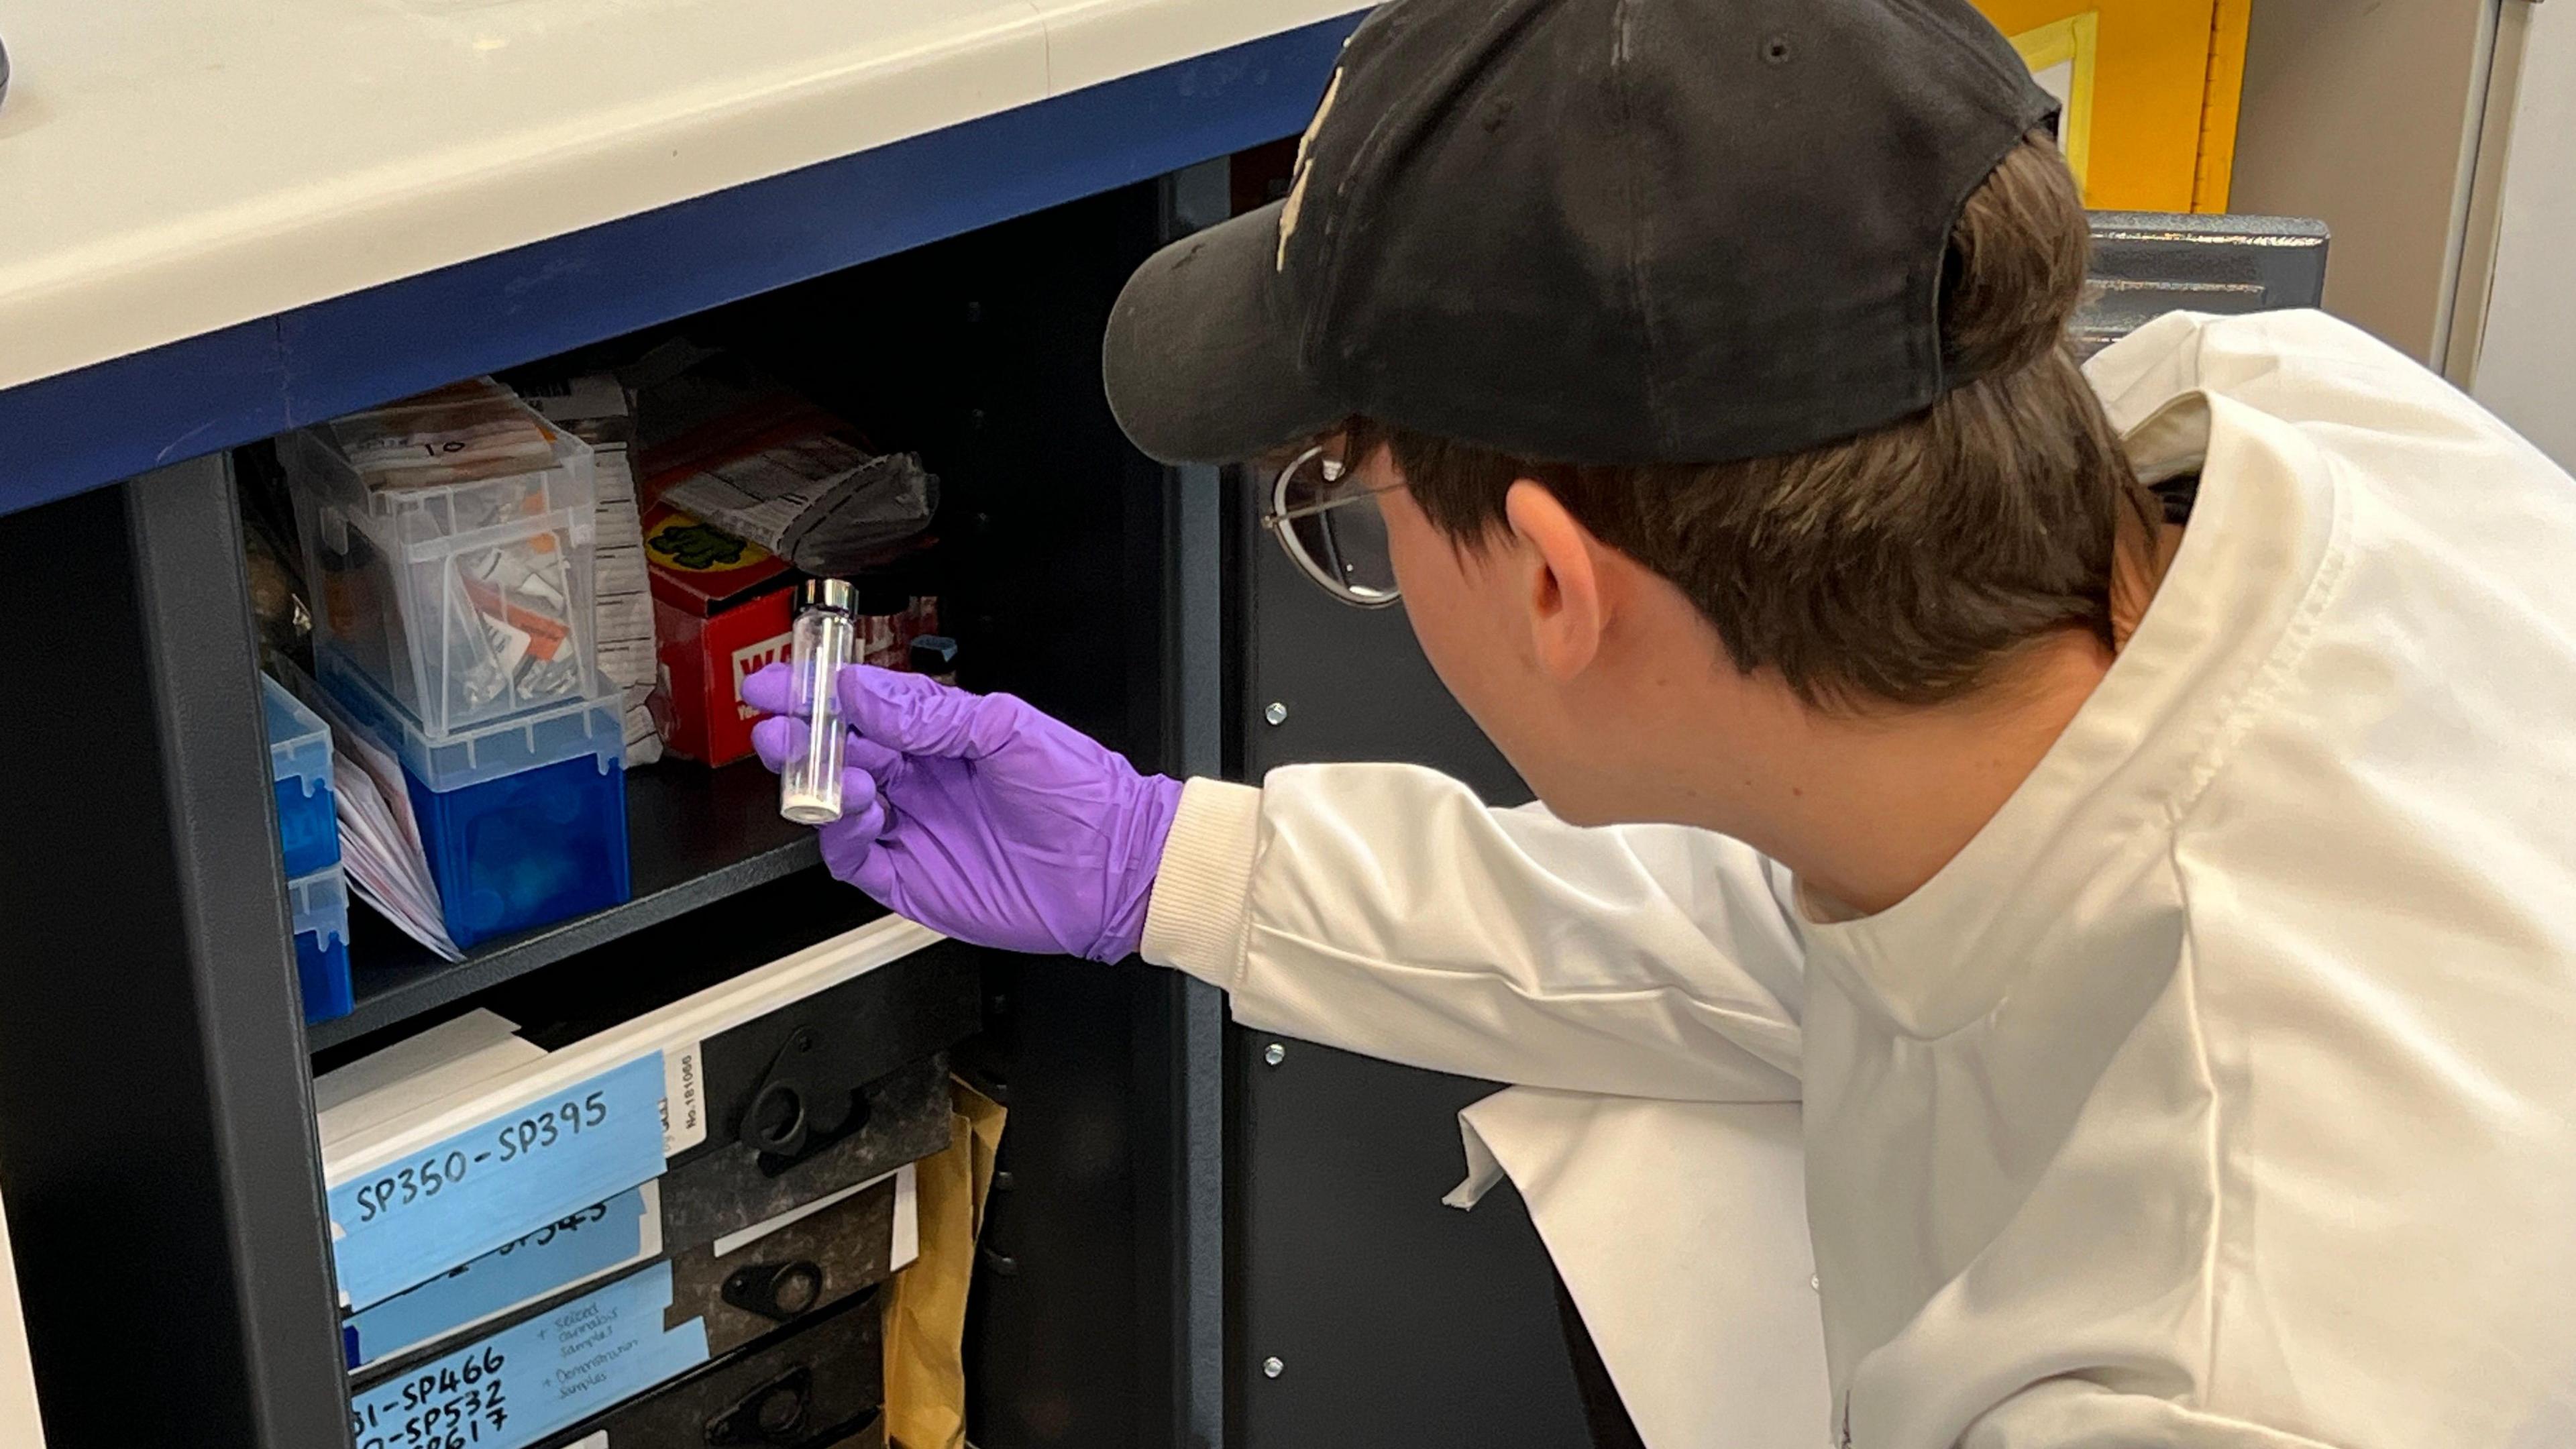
(435, 1066)
(595, 409)
(380, 843)
(464, 431)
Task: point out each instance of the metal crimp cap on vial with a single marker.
(825, 593)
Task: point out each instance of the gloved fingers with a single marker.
(850, 842)
(857, 830)
(857, 848)
(920, 717)
(866, 754)
(783, 738)
(859, 795)
(771, 689)
(875, 874)
(778, 740)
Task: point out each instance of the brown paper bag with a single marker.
(925, 1332)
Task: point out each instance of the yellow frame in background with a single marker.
(2218, 111)
(2071, 43)
(2153, 92)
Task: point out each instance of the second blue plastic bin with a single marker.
(320, 906)
(524, 819)
(299, 764)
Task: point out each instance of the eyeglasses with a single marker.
(1332, 530)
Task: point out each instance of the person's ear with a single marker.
(1561, 584)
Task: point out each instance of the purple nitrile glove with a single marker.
(981, 818)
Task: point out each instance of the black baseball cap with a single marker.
(1591, 231)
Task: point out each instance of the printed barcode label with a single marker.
(684, 1100)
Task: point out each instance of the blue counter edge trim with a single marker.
(79, 430)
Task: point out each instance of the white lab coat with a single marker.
(2221, 1092)
(20, 1428)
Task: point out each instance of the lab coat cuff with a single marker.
(1202, 892)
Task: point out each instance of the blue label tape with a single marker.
(590, 1242)
(408, 1222)
(524, 1383)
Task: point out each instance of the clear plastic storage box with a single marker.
(319, 904)
(524, 820)
(448, 543)
(299, 762)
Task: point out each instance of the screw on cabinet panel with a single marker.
(1277, 713)
(1274, 1054)
(1272, 1368)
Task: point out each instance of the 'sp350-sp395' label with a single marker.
(426, 1178)
(422, 1214)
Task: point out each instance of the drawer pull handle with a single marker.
(779, 1291)
(774, 1413)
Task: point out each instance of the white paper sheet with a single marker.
(594, 407)
(380, 842)
(450, 1058)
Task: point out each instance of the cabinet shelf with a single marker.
(694, 836)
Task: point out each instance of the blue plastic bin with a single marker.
(299, 761)
(524, 819)
(320, 904)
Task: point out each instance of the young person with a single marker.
(2133, 815)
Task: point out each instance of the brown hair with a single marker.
(1905, 565)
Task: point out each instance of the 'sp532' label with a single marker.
(529, 1380)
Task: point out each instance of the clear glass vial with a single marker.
(809, 789)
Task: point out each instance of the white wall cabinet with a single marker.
(2525, 363)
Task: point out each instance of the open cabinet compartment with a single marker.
(980, 353)
(156, 1102)
(1076, 573)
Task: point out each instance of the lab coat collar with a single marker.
(2250, 565)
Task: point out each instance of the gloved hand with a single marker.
(981, 818)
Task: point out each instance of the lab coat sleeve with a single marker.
(1385, 910)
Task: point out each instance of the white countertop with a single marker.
(169, 167)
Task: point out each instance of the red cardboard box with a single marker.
(722, 608)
